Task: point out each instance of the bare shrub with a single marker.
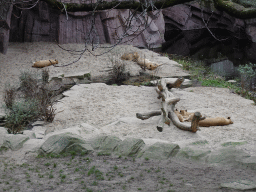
(117, 72)
(9, 96)
(45, 76)
(28, 84)
(34, 103)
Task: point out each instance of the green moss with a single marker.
(235, 9)
(238, 8)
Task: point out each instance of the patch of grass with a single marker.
(200, 72)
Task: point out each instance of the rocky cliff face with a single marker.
(43, 23)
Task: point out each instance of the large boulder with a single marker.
(15, 142)
(59, 143)
(105, 144)
(193, 153)
(130, 147)
(159, 151)
(228, 156)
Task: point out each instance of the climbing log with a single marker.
(167, 108)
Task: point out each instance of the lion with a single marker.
(187, 115)
(179, 115)
(142, 62)
(44, 63)
(130, 56)
(217, 121)
(184, 115)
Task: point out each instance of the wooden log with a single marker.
(144, 116)
(176, 84)
(194, 127)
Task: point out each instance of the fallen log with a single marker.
(167, 110)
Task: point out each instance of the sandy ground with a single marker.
(112, 109)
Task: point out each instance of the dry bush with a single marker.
(9, 96)
(117, 72)
(34, 103)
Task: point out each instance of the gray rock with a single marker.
(30, 134)
(38, 123)
(15, 142)
(200, 142)
(193, 154)
(249, 163)
(232, 81)
(58, 143)
(240, 185)
(233, 143)
(82, 81)
(105, 143)
(79, 75)
(2, 116)
(130, 147)
(79, 148)
(229, 155)
(159, 151)
(3, 131)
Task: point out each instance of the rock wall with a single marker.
(189, 27)
(43, 23)
(5, 23)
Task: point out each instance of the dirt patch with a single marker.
(105, 173)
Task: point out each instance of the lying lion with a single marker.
(184, 115)
(187, 115)
(44, 63)
(142, 62)
(217, 121)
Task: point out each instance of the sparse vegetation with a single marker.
(31, 101)
(201, 73)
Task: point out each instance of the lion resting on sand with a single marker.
(217, 121)
(142, 62)
(44, 63)
(184, 115)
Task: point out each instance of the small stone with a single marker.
(232, 81)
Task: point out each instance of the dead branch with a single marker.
(167, 110)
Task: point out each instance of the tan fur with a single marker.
(179, 115)
(130, 56)
(44, 63)
(142, 62)
(217, 121)
(187, 115)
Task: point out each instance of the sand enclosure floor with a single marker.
(112, 109)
